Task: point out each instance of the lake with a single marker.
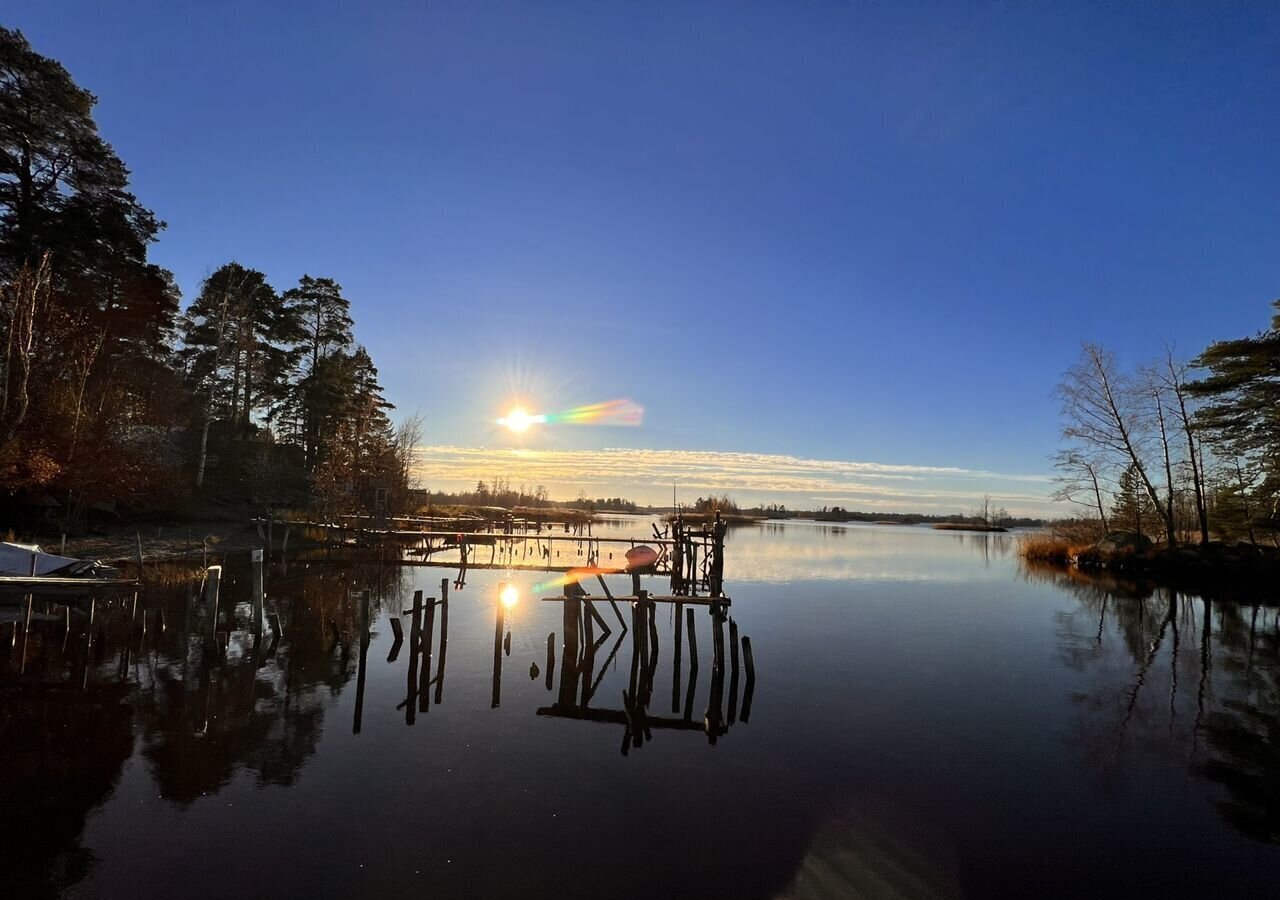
(926, 719)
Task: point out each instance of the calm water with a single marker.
(926, 721)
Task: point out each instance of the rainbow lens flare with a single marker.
(612, 412)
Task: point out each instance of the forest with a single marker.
(1173, 451)
(113, 396)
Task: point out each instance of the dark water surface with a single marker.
(926, 721)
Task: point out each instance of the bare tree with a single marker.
(27, 295)
(1101, 412)
(1080, 473)
(1172, 378)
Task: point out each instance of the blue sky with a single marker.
(836, 232)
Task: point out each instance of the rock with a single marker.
(1124, 541)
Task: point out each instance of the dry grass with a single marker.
(1061, 545)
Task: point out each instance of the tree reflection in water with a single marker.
(1178, 679)
(68, 722)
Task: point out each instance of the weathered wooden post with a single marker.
(751, 678)
(259, 590)
(26, 634)
(677, 646)
(717, 556)
(571, 614)
(677, 555)
(212, 581)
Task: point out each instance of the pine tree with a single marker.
(1132, 508)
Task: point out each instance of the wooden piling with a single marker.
(570, 631)
(26, 634)
(599, 620)
(212, 582)
(259, 590)
(609, 596)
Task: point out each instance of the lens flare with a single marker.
(509, 596)
(612, 412)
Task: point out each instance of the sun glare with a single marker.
(519, 420)
(509, 596)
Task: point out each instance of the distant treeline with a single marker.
(1175, 450)
(111, 393)
(840, 514)
(499, 492)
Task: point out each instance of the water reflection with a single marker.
(1183, 680)
(920, 710)
(798, 550)
(201, 711)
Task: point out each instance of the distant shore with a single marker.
(968, 526)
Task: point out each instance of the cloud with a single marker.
(647, 476)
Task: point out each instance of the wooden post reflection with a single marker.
(444, 637)
(428, 641)
(676, 645)
(499, 624)
(364, 655)
(733, 671)
(415, 647)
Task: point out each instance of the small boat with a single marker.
(641, 557)
(28, 560)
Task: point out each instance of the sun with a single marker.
(518, 420)
(509, 596)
